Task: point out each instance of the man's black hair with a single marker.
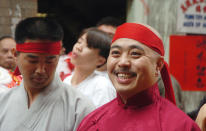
(109, 20)
(38, 28)
(193, 114)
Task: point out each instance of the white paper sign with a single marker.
(191, 16)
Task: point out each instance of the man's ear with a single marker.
(160, 63)
(101, 61)
(14, 52)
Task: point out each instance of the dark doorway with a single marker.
(74, 15)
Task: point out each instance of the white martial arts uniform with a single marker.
(3, 88)
(58, 108)
(103, 73)
(5, 77)
(96, 87)
(62, 67)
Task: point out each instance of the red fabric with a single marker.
(147, 111)
(38, 47)
(147, 37)
(50, 48)
(17, 72)
(16, 80)
(70, 65)
(63, 76)
(188, 61)
(169, 93)
(140, 33)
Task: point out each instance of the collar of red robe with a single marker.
(144, 98)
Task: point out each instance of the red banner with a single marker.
(187, 61)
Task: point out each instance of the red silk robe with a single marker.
(147, 111)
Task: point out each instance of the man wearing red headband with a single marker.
(42, 102)
(134, 64)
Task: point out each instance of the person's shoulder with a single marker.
(101, 79)
(75, 96)
(5, 77)
(104, 109)
(103, 83)
(6, 94)
(70, 91)
(102, 73)
(92, 118)
(5, 91)
(167, 105)
(3, 88)
(67, 79)
(173, 117)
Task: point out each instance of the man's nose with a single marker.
(41, 68)
(10, 54)
(124, 61)
(78, 47)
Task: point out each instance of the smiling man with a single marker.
(134, 65)
(42, 102)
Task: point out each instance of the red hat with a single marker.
(147, 37)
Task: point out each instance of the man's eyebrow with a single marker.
(137, 47)
(130, 47)
(115, 46)
(5, 49)
(32, 56)
(51, 57)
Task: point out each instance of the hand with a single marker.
(201, 118)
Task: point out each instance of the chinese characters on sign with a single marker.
(188, 61)
(191, 16)
(201, 67)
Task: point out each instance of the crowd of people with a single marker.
(114, 79)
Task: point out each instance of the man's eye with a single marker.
(135, 54)
(33, 62)
(5, 51)
(51, 60)
(115, 52)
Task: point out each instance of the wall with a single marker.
(12, 11)
(161, 15)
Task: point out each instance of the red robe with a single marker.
(147, 111)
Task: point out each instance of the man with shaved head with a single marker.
(134, 64)
(7, 58)
(8, 62)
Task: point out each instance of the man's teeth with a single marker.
(124, 76)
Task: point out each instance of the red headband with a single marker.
(31, 47)
(147, 37)
(38, 47)
(140, 33)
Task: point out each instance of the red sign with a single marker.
(187, 61)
